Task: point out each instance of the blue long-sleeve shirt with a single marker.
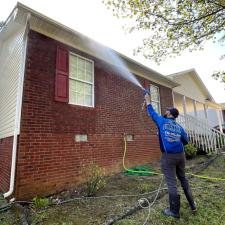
(172, 136)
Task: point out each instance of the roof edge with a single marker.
(192, 72)
(157, 76)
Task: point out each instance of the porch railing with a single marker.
(201, 134)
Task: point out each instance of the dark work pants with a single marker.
(174, 165)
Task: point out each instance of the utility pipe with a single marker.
(18, 112)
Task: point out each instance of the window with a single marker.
(81, 81)
(155, 97)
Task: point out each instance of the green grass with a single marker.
(210, 202)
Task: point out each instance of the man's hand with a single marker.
(147, 99)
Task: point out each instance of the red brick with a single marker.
(49, 160)
(6, 145)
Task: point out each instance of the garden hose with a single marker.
(5, 208)
(207, 178)
(157, 173)
(134, 171)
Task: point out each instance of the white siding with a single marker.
(10, 68)
(189, 88)
(212, 117)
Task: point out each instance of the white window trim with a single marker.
(92, 83)
(158, 102)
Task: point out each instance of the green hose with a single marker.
(157, 173)
(5, 208)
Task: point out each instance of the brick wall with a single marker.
(49, 159)
(6, 145)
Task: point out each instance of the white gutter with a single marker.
(41, 22)
(18, 112)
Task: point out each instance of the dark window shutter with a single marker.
(62, 75)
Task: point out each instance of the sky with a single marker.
(93, 19)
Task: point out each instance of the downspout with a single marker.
(18, 112)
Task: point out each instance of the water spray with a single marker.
(115, 60)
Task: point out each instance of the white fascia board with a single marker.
(66, 35)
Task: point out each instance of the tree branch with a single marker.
(215, 3)
(182, 23)
(200, 18)
(210, 32)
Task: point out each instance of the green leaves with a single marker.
(174, 25)
(40, 202)
(219, 75)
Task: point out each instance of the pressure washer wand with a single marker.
(146, 91)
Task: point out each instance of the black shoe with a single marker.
(168, 212)
(193, 207)
(189, 197)
(174, 209)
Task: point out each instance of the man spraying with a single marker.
(172, 139)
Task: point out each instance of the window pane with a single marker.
(88, 76)
(153, 88)
(88, 89)
(73, 66)
(72, 89)
(73, 97)
(80, 99)
(88, 100)
(88, 66)
(156, 107)
(155, 96)
(81, 63)
(80, 92)
(72, 85)
(81, 74)
(73, 60)
(154, 93)
(73, 72)
(79, 87)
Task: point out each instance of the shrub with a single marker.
(40, 202)
(190, 151)
(96, 179)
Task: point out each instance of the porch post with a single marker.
(205, 110)
(195, 110)
(184, 105)
(219, 120)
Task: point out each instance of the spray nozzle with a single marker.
(146, 91)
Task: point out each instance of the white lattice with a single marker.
(201, 134)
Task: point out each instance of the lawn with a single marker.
(209, 196)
